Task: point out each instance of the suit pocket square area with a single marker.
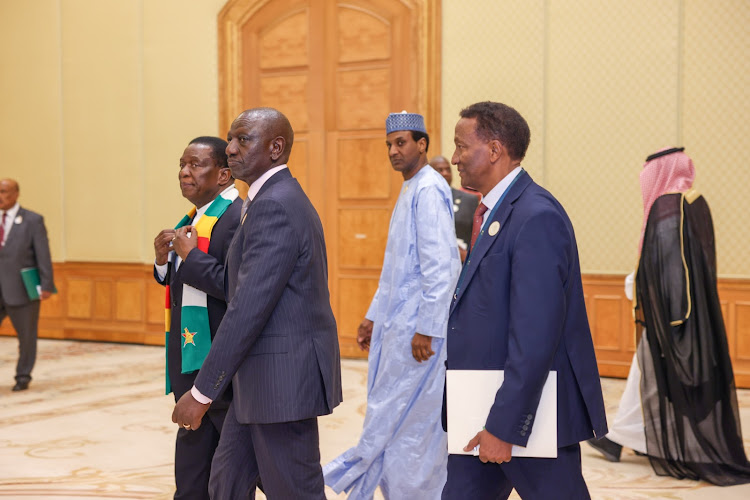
(270, 344)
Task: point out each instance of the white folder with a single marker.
(471, 394)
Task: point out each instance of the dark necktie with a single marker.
(2, 230)
(477, 224)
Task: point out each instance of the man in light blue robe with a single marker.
(403, 447)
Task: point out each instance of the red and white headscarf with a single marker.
(668, 173)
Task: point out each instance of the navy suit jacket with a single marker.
(25, 246)
(204, 271)
(520, 308)
(278, 341)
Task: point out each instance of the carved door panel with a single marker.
(336, 69)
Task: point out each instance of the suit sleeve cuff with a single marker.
(200, 397)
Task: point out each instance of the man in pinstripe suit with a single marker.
(277, 342)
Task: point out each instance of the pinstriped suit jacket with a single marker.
(278, 341)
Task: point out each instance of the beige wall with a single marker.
(30, 108)
(603, 84)
(99, 98)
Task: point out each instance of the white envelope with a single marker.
(471, 394)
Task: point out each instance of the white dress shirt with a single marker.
(9, 218)
(496, 192)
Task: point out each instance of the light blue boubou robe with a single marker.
(403, 447)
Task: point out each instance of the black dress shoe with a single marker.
(20, 386)
(609, 449)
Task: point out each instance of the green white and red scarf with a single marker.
(194, 327)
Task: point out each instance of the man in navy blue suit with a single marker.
(278, 341)
(194, 275)
(519, 307)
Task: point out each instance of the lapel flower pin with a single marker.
(19, 219)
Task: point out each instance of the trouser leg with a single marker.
(558, 478)
(25, 320)
(234, 469)
(194, 451)
(470, 479)
(288, 456)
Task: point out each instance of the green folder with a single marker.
(30, 277)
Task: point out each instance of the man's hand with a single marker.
(364, 334)
(188, 412)
(182, 244)
(45, 294)
(161, 245)
(421, 347)
(491, 449)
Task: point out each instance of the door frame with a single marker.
(428, 27)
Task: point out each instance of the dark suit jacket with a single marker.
(464, 206)
(278, 340)
(25, 246)
(520, 308)
(204, 271)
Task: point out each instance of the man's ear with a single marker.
(422, 145)
(277, 148)
(225, 176)
(497, 150)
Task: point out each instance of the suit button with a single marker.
(523, 433)
(525, 427)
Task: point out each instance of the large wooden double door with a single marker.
(336, 69)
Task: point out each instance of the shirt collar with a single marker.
(255, 186)
(496, 192)
(202, 210)
(12, 211)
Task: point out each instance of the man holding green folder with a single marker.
(24, 262)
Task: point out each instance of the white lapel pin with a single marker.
(494, 228)
(18, 220)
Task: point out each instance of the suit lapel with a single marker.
(15, 229)
(484, 243)
(234, 254)
(277, 177)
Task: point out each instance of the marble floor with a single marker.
(95, 424)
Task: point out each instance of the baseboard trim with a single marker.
(118, 302)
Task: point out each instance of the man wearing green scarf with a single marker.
(190, 263)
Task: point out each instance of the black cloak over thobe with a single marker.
(687, 384)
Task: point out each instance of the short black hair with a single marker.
(218, 149)
(501, 122)
(416, 135)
